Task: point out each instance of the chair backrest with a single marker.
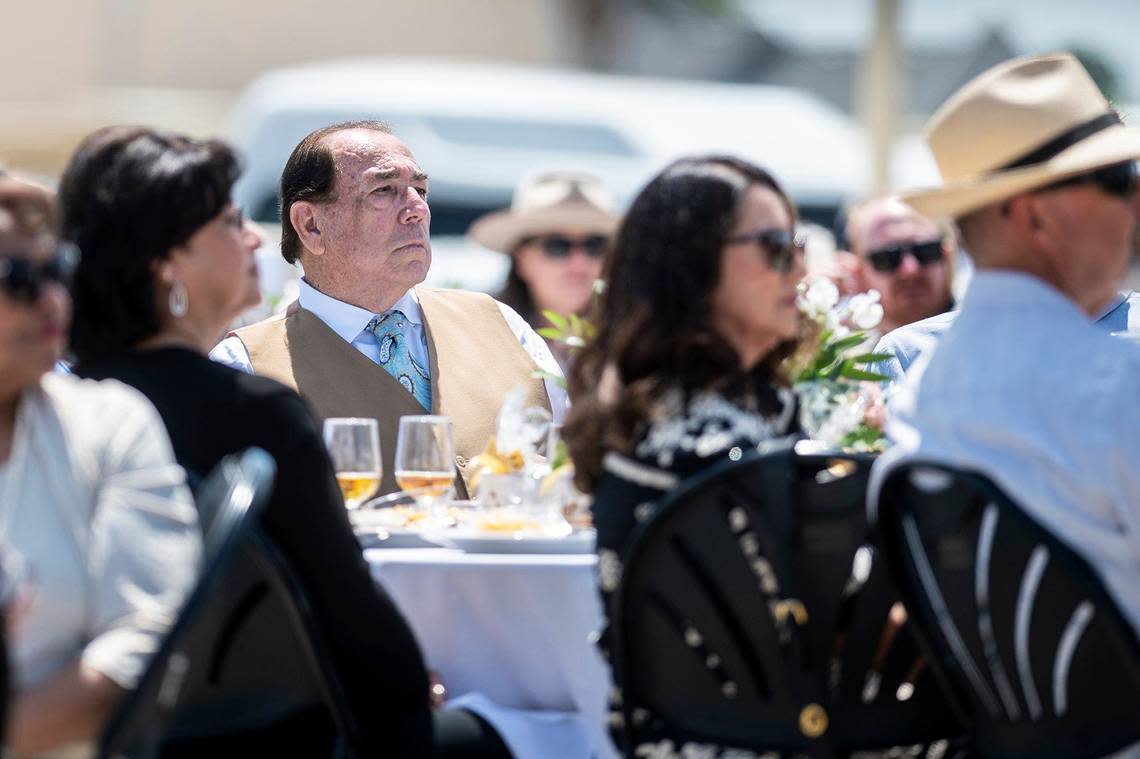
(752, 613)
(241, 667)
(1037, 652)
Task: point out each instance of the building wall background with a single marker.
(70, 66)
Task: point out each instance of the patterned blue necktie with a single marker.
(396, 357)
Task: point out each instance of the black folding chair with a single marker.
(1036, 651)
(243, 671)
(752, 613)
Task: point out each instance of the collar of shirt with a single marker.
(1004, 288)
(347, 320)
(1116, 303)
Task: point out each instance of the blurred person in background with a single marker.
(90, 500)
(904, 256)
(557, 232)
(168, 263)
(363, 339)
(908, 342)
(698, 313)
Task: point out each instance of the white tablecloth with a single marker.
(511, 637)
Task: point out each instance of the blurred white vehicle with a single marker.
(476, 129)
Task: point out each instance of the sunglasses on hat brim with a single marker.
(22, 278)
(889, 257)
(1119, 180)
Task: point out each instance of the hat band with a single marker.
(1065, 140)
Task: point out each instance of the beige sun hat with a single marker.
(1023, 124)
(544, 202)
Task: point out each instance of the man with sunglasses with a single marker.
(1122, 314)
(1040, 176)
(904, 256)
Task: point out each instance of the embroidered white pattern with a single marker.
(709, 425)
(609, 569)
(643, 511)
(637, 473)
(666, 749)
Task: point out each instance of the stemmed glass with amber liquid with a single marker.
(354, 446)
(425, 462)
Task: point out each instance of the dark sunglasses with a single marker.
(557, 246)
(780, 247)
(23, 279)
(889, 257)
(1118, 180)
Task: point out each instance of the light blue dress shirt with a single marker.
(910, 341)
(1027, 390)
(350, 322)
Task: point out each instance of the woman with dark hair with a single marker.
(699, 311)
(167, 263)
(557, 233)
(92, 507)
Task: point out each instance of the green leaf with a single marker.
(864, 437)
(561, 455)
(548, 376)
(851, 372)
(551, 332)
(847, 342)
(575, 324)
(871, 358)
(555, 318)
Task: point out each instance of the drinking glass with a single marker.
(354, 446)
(425, 461)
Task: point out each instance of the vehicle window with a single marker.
(267, 209)
(534, 135)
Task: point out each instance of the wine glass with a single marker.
(425, 461)
(354, 446)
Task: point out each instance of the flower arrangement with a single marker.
(840, 405)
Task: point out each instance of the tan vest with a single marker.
(474, 360)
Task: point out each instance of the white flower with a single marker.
(866, 311)
(819, 298)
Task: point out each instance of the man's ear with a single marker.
(854, 272)
(1028, 216)
(303, 217)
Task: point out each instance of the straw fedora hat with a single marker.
(1023, 124)
(544, 202)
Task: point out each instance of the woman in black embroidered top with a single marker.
(699, 311)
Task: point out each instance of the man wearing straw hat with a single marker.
(1040, 175)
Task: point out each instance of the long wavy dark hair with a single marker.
(516, 294)
(654, 322)
(128, 197)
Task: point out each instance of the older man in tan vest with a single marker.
(363, 339)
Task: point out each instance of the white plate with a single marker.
(378, 537)
(375, 529)
(477, 541)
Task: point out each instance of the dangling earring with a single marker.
(179, 300)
